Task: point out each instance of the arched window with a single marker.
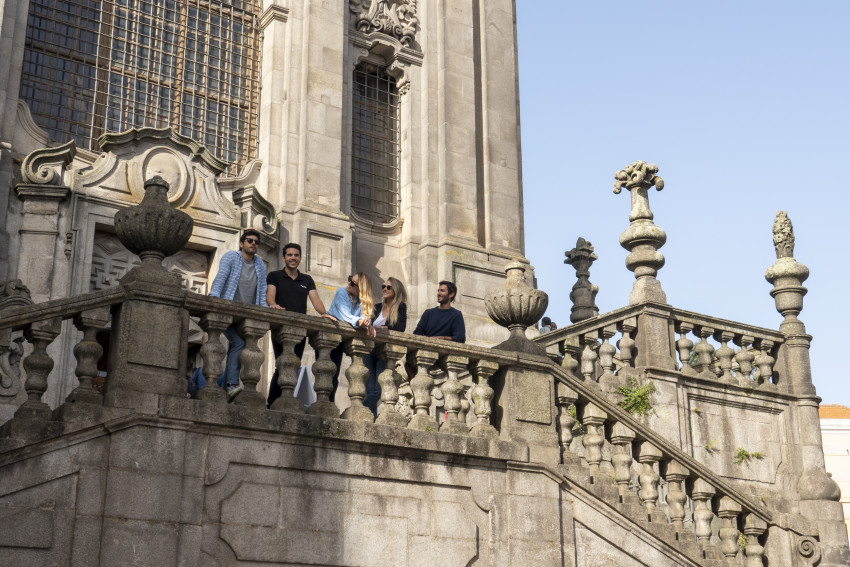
(375, 145)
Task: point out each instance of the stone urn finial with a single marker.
(643, 238)
(517, 306)
(583, 294)
(786, 274)
(153, 230)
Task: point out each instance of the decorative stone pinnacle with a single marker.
(153, 229)
(783, 235)
(583, 294)
(643, 238)
(787, 274)
(517, 306)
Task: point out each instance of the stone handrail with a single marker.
(18, 318)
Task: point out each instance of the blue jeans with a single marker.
(373, 388)
(235, 344)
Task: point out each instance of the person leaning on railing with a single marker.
(241, 277)
(392, 314)
(348, 305)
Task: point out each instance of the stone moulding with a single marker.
(113, 140)
(392, 227)
(29, 125)
(47, 166)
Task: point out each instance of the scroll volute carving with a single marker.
(396, 18)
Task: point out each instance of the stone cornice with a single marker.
(274, 13)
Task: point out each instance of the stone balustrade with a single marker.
(707, 348)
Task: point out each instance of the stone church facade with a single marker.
(383, 135)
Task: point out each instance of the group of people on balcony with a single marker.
(242, 277)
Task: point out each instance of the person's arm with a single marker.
(420, 326)
(341, 308)
(458, 329)
(271, 293)
(317, 302)
(220, 280)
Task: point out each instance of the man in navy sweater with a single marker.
(443, 322)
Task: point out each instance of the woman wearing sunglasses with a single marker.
(348, 305)
(392, 314)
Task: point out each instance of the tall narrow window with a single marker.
(375, 145)
(95, 66)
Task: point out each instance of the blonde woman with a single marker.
(349, 304)
(392, 314)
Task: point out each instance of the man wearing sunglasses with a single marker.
(241, 277)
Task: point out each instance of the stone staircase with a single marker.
(682, 539)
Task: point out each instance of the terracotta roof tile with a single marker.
(834, 411)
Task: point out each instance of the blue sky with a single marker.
(744, 107)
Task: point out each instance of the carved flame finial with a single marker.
(783, 235)
(638, 174)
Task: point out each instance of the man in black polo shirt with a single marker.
(289, 289)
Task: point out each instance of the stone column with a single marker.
(13, 33)
(13, 293)
(145, 364)
(42, 191)
(819, 494)
(583, 294)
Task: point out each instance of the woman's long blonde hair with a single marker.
(399, 298)
(367, 302)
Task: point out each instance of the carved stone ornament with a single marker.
(583, 294)
(46, 166)
(153, 229)
(109, 141)
(643, 238)
(783, 235)
(517, 306)
(14, 293)
(396, 18)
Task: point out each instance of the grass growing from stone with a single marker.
(578, 426)
(636, 397)
(742, 542)
(744, 456)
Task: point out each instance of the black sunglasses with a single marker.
(385, 286)
(352, 282)
(252, 240)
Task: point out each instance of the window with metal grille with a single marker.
(375, 145)
(95, 66)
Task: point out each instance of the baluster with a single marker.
(705, 351)
(464, 404)
(288, 363)
(38, 366)
(626, 344)
(589, 356)
(593, 418)
(648, 455)
(684, 345)
(702, 494)
(87, 352)
(323, 371)
(421, 385)
(608, 382)
(764, 362)
(389, 380)
(251, 362)
(570, 362)
(213, 353)
(724, 356)
(675, 475)
(566, 397)
(357, 375)
(744, 357)
(452, 391)
(622, 438)
(754, 527)
(482, 397)
(727, 511)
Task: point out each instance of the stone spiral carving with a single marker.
(808, 548)
(153, 229)
(517, 306)
(45, 166)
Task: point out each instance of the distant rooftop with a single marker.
(834, 411)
